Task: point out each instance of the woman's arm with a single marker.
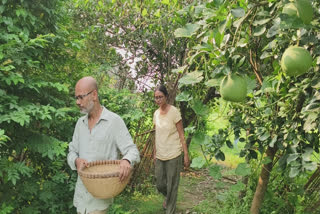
(183, 143)
(154, 147)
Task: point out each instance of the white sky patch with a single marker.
(141, 83)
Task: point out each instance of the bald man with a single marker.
(98, 135)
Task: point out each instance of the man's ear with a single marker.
(95, 93)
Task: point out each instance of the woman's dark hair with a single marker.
(163, 89)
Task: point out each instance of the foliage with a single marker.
(143, 33)
(36, 114)
(42, 55)
(248, 38)
(43, 51)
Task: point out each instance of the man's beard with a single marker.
(87, 109)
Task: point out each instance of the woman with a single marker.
(168, 147)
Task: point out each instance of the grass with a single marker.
(138, 202)
(198, 193)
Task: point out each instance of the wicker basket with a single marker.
(101, 178)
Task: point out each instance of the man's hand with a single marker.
(125, 169)
(80, 162)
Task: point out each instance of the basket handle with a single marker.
(99, 175)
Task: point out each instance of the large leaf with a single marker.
(198, 162)
(238, 12)
(274, 30)
(200, 138)
(187, 31)
(294, 171)
(310, 122)
(310, 166)
(292, 157)
(239, 186)
(184, 96)
(243, 169)
(258, 31)
(200, 108)
(261, 22)
(192, 78)
(307, 154)
(214, 82)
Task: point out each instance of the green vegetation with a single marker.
(191, 46)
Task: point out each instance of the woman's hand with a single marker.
(186, 160)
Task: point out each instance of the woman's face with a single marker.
(160, 98)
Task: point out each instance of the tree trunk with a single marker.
(263, 182)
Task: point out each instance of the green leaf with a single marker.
(266, 54)
(243, 169)
(311, 166)
(266, 160)
(199, 108)
(265, 136)
(253, 154)
(179, 70)
(237, 23)
(261, 22)
(238, 187)
(229, 144)
(294, 171)
(273, 141)
(16, 171)
(259, 31)
(274, 30)
(215, 172)
(310, 122)
(158, 13)
(46, 146)
(187, 31)
(222, 26)
(191, 78)
(198, 162)
(21, 117)
(307, 154)
(313, 107)
(238, 12)
(166, 2)
(200, 138)
(6, 209)
(220, 155)
(183, 97)
(14, 78)
(144, 12)
(213, 82)
(242, 43)
(292, 157)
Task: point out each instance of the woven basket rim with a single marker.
(99, 175)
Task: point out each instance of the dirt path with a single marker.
(198, 188)
(198, 194)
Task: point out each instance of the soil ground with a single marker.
(198, 193)
(197, 187)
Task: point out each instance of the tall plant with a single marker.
(279, 118)
(35, 122)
